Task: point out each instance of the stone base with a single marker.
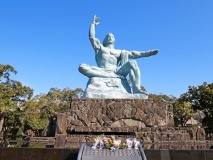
(149, 120)
(110, 88)
(152, 138)
(118, 113)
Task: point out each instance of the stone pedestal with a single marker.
(110, 88)
(122, 114)
(149, 120)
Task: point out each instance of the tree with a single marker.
(182, 112)
(12, 95)
(57, 100)
(44, 106)
(20, 112)
(5, 71)
(201, 98)
(163, 98)
(37, 122)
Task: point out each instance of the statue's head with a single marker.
(109, 39)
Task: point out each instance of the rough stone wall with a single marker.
(87, 115)
(153, 137)
(171, 134)
(150, 121)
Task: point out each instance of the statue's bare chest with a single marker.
(109, 52)
(107, 56)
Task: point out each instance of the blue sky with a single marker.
(46, 40)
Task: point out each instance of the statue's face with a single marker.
(110, 38)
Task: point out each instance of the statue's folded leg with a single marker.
(133, 70)
(94, 71)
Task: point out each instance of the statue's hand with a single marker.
(95, 20)
(154, 52)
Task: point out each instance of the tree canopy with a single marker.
(201, 98)
(12, 95)
(182, 111)
(20, 111)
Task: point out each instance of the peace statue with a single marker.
(113, 65)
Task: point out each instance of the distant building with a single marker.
(191, 122)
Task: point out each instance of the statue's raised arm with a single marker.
(94, 41)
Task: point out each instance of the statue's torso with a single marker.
(107, 58)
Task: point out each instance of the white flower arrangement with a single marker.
(102, 142)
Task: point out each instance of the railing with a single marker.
(142, 153)
(88, 153)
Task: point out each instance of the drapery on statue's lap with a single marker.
(112, 64)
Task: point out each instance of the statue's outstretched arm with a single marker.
(139, 54)
(94, 41)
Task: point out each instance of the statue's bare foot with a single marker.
(138, 91)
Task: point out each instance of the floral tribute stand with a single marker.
(110, 149)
